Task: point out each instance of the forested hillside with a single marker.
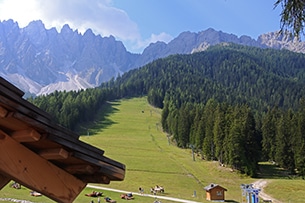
(231, 103)
(232, 74)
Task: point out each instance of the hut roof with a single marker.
(212, 186)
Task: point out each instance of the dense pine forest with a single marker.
(234, 104)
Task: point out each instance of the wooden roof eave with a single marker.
(29, 129)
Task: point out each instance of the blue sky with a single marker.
(137, 23)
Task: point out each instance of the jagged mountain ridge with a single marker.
(40, 60)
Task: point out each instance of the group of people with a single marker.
(107, 199)
(94, 194)
(15, 185)
(153, 190)
(127, 196)
(156, 189)
(98, 195)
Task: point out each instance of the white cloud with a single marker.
(21, 11)
(161, 37)
(164, 37)
(98, 15)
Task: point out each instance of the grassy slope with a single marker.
(132, 135)
(282, 187)
(129, 132)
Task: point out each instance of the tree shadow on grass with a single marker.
(272, 171)
(102, 120)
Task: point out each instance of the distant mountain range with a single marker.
(40, 61)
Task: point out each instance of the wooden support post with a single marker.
(36, 173)
(3, 180)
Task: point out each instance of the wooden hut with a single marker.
(215, 192)
(45, 157)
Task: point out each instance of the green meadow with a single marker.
(129, 131)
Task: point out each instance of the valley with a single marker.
(129, 131)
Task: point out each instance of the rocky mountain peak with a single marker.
(40, 61)
(278, 40)
(66, 30)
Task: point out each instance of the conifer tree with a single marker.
(219, 132)
(208, 142)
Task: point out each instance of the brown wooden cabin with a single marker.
(45, 157)
(215, 192)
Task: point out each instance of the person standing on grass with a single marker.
(141, 190)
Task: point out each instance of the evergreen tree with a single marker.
(200, 131)
(284, 153)
(208, 142)
(219, 131)
(251, 143)
(184, 127)
(269, 134)
(300, 140)
(164, 116)
(235, 147)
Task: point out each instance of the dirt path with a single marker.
(261, 183)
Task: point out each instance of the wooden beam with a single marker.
(80, 169)
(3, 180)
(52, 154)
(3, 112)
(36, 173)
(28, 135)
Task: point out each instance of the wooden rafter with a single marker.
(28, 135)
(53, 154)
(37, 173)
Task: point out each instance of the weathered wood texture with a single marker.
(34, 148)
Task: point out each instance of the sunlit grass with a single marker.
(130, 132)
(135, 138)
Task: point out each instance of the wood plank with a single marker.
(53, 154)
(26, 109)
(12, 89)
(111, 171)
(4, 180)
(36, 173)
(42, 123)
(76, 145)
(64, 135)
(27, 135)
(19, 103)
